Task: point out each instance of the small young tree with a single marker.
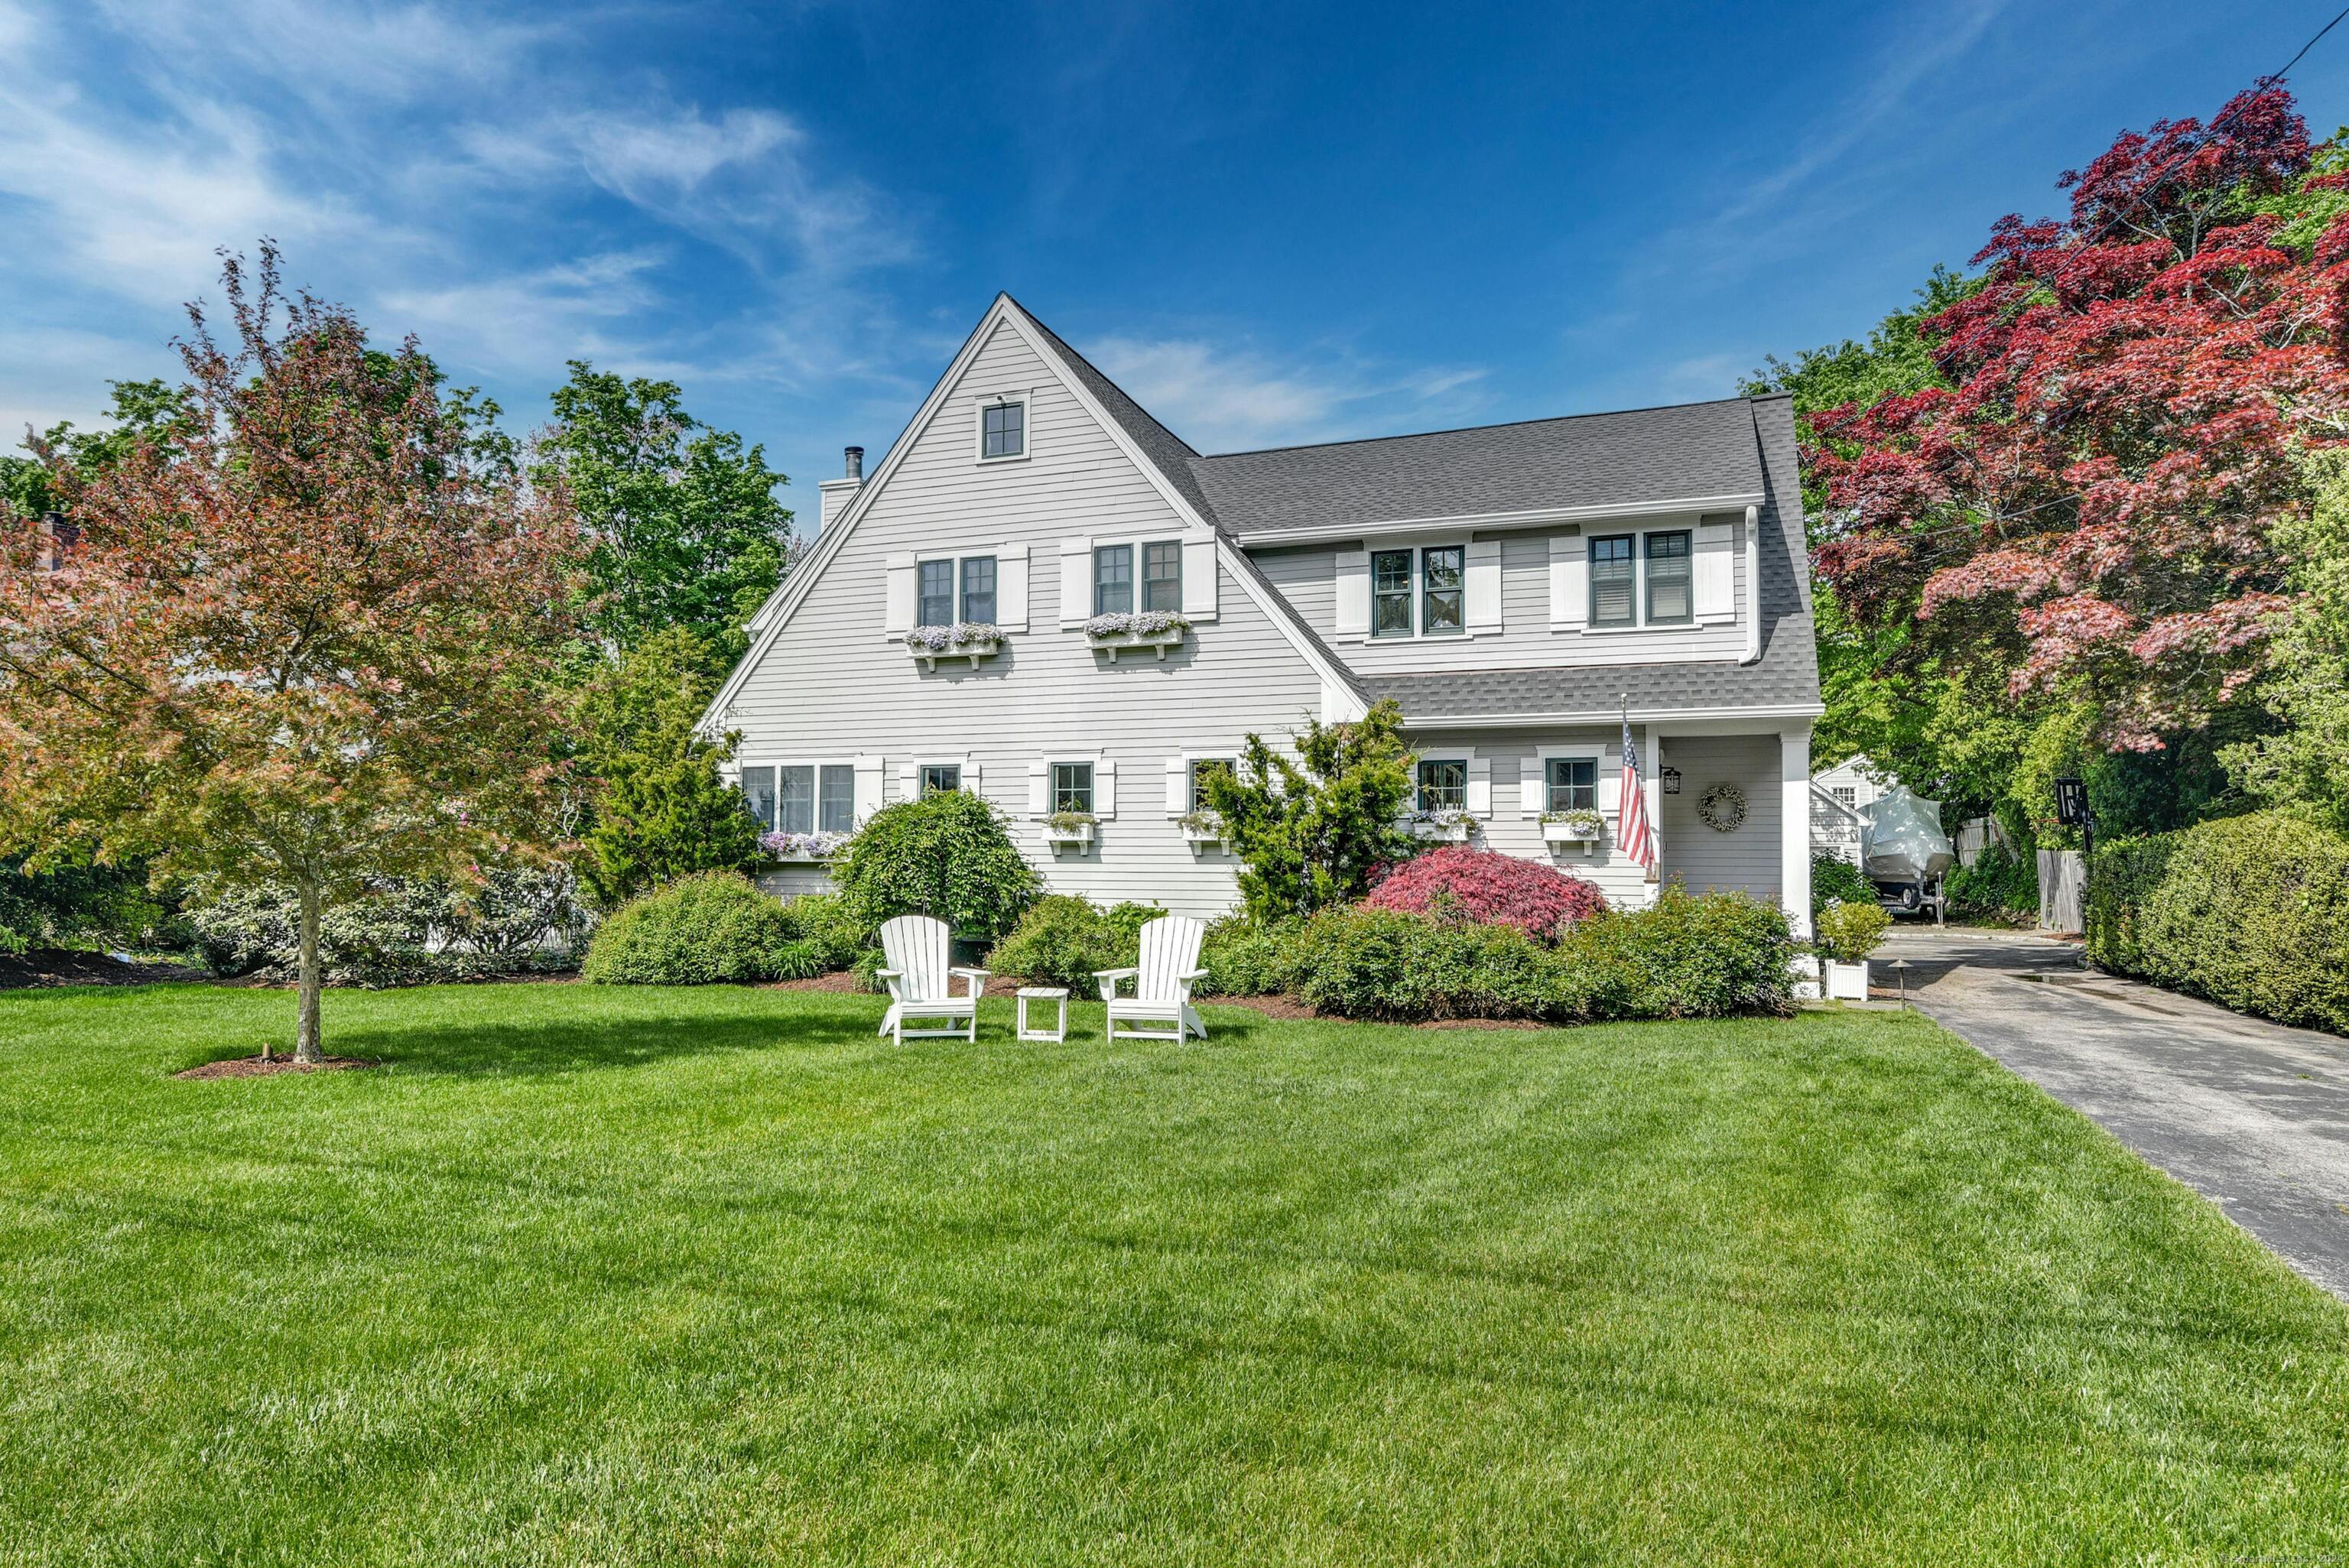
(307, 636)
(1313, 835)
(661, 809)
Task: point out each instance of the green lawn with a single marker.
(611, 1276)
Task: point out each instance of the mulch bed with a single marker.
(60, 966)
(264, 1067)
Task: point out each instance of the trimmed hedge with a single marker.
(713, 928)
(2250, 912)
(1687, 956)
(1064, 940)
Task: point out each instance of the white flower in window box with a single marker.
(799, 848)
(1204, 827)
(1070, 828)
(1579, 826)
(964, 640)
(1156, 629)
(1443, 824)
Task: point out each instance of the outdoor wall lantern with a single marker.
(1671, 778)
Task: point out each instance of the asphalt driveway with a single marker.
(2253, 1116)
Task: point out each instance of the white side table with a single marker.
(1056, 993)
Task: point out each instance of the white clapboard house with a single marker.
(1044, 595)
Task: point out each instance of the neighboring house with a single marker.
(1511, 587)
(1838, 795)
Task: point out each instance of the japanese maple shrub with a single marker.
(1487, 886)
(307, 635)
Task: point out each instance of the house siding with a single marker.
(1515, 757)
(1307, 578)
(835, 683)
(1745, 860)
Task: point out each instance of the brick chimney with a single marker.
(58, 535)
(835, 494)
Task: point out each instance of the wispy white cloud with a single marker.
(1222, 399)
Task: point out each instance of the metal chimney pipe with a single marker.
(855, 456)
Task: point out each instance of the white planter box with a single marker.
(1073, 838)
(1199, 838)
(928, 658)
(1846, 982)
(1116, 643)
(805, 858)
(1567, 833)
(1444, 832)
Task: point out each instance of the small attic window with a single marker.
(1002, 428)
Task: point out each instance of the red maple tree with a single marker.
(2091, 502)
(305, 637)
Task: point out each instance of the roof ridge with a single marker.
(1063, 344)
(1473, 429)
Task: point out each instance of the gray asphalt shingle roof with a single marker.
(1784, 677)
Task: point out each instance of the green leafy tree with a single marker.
(687, 531)
(661, 809)
(1311, 832)
(2305, 765)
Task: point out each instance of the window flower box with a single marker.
(1073, 829)
(1157, 630)
(801, 848)
(1577, 827)
(1204, 828)
(1444, 825)
(963, 640)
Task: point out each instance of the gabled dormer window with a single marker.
(1002, 428)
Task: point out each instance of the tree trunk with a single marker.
(306, 1034)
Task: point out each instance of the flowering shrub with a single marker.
(815, 846)
(1488, 888)
(962, 636)
(1141, 622)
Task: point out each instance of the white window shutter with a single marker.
(1533, 783)
(1178, 787)
(1354, 593)
(1484, 586)
(1076, 581)
(1199, 575)
(1105, 789)
(899, 612)
(909, 780)
(1610, 788)
(973, 775)
(868, 787)
(1012, 587)
(1480, 786)
(1569, 581)
(1039, 788)
(1714, 571)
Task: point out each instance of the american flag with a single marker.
(1634, 832)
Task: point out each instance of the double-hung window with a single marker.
(1072, 787)
(1161, 575)
(1669, 590)
(1442, 784)
(1113, 580)
(1202, 770)
(937, 595)
(1572, 784)
(979, 590)
(1003, 429)
(941, 776)
(1419, 592)
(1116, 590)
(1614, 586)
(800, 797)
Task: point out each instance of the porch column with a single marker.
(1652, 784)
(1795, 827)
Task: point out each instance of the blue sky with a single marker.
(1272, 223)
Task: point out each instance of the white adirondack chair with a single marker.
(1162, 983)
(921, 983)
